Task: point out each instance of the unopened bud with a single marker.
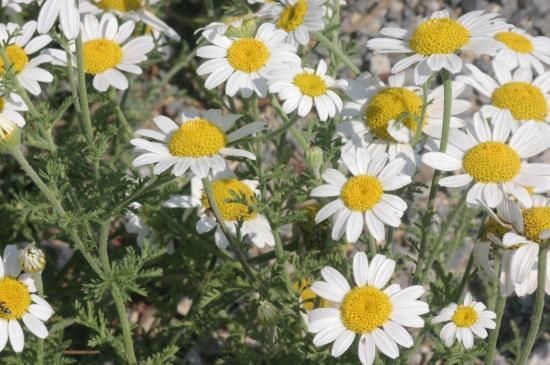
(241, 27)
(32, 259)
(314, 160)
(10, 135)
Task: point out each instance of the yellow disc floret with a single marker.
(365, 308)
(234, 198)
(535, 221)
(14, 299)
(439, 36)
(394, 103)
(492, 162)
(17, 57)
(310, 84)
(2, 104)
(293, 16)
(101, 55)
(362, 193)
(197, 138)
(495, 228)
(464, 316)
(120, 5)
(308, 296)
(248, 55)
(516, 42)
(525, 101)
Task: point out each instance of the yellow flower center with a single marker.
(394, 103)
(492, 162)
(14, 299)
(2, 104)
(248, 55)
(439, 36)
(361, 193)
(525, 101)
(464, 316)
(234, 198)
(494, 227)
(365, 308)
(101, 55)
(18, 59)
(293, 16)
(535, 221)
(197, 138)
(120, 5)
(310, 84)
(516, 42)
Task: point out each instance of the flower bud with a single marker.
(314, 159)
(241, 27)
(266, 312)
(32, 259)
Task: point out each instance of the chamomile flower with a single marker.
(302, 88)
(236, 200)
(18, 302)
(465, 321)
(20, 50)
(435, 42)
(362, 199)
(384, 118)
(245, 63)
(198, 143)
(493, 161)
(108, 51)
(66, 11)
(520, 49)
(14, 4)
(514, 97)
(135, 10)
(298, 18)
(11, 106)
(378, 314)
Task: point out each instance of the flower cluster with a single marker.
(366, 140)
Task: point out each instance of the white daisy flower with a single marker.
(514, 97)
(199, 143)
(20, 50)
(214, 29)
(135, 225)
(18, 301)
(66, 11)
(522, 50)
(108, 52)
(302, 88)
(376, 314)
(245, 63)
(384, 118)
(298, 18)
(465, 321)
(529, 223)
(493, 161)
(14, 4)
(135, 10)
(235, 199)
(11, 107)
(363, 198)
(435, 42)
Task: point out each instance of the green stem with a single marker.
(291, 127)
(280, 254)
(125, 324)
(58, 208)
(491, 347)
(336, 50)
(447, 104)
(221, 222)
(539, 306)
(84, 103)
